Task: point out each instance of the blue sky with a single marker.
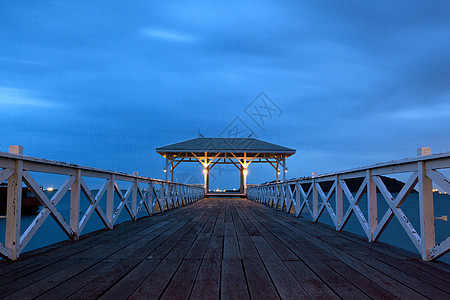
(103, 83)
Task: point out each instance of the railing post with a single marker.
(297, 198)
(134, 196)
(14, 210)
(315, 200)
(181, 195)
(110, 201)
(75, 205)
(339, 204)
(169, 195)
(150, 197)
(425, 186)
(371, 204)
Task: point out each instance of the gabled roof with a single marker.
(225, 145)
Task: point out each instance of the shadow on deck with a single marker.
(222, 248)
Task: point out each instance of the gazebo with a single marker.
(239, 152)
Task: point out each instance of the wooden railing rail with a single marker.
(158, 195)
(301, 194)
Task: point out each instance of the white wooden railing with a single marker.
(158, 195)
(298, 194)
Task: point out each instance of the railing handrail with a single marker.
(16, 168)
(425, 171)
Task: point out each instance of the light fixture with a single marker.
(205, 171)
(245, 172)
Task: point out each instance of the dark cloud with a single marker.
(351, 77)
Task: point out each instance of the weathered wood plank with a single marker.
(183, 280)
(230, 245)
(86, 284)
(258, 280)
(286, 284)
(207, 283)
(339, 285)
(233, 283)
(161, 274)
(127, 285)
(364, 251)
(173, 251)
(313, 285)
(222, 248)
(300, 235)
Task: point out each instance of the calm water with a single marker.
(394, 234)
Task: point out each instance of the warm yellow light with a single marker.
(50, 189)
(205, 172)
(165, 170)
(245, 172)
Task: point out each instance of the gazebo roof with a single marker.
(225, 145)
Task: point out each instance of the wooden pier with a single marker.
(222, 249)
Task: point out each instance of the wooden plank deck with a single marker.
(222, 249)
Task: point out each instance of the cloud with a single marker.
(428, 112)
(169, 35)
(17, 97)
(351, 75)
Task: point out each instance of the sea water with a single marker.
(394, 234)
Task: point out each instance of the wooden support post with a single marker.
(110, 202)
(425, 186)
(277, 170)
(207, 179)
(241, 182)
(339, 203)
(245, 171)
(134, 196)
(166, 169)
(371, 205)
(75, 205)
(171, 170)
(284, 169)
(14, 210)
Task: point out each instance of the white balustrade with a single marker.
(306, 193)
(16, 169)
